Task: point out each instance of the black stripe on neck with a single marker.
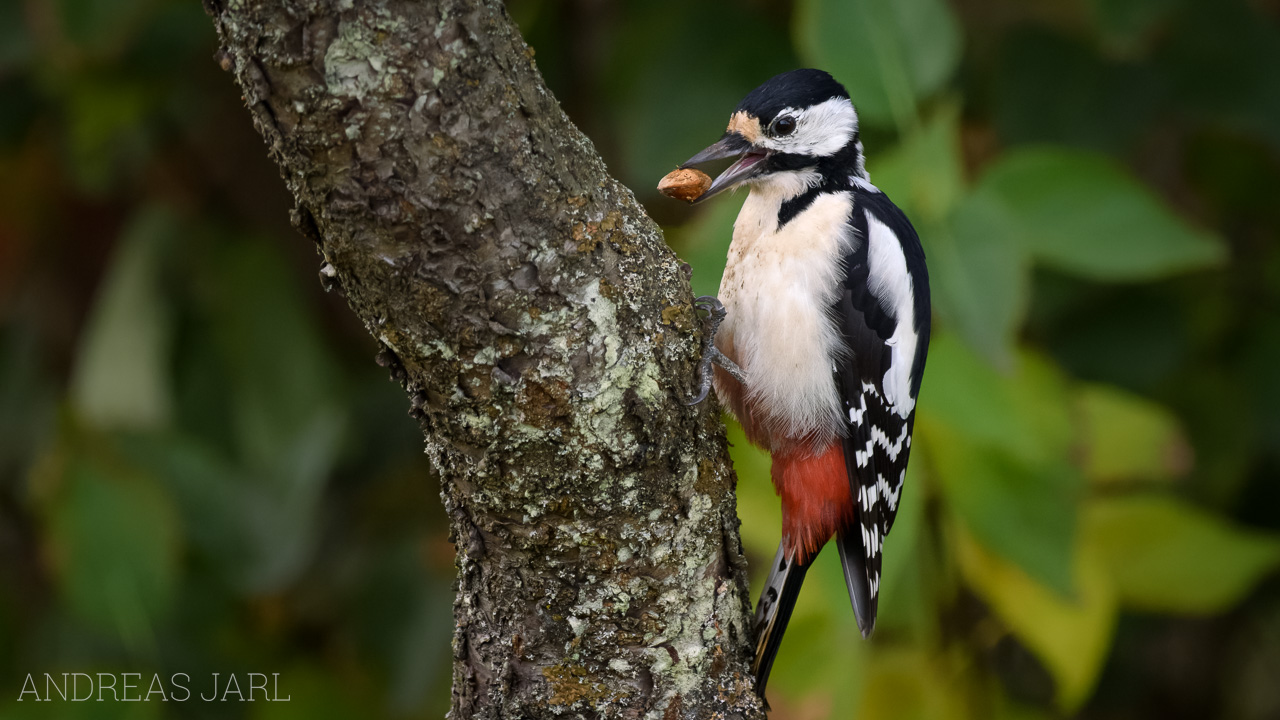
(796, 205)
(835, 171)
(832, 181)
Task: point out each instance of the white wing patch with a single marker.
(890, 282)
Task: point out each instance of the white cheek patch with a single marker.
(821, 130)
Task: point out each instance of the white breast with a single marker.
(778, 287)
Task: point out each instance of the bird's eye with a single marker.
(784, 125)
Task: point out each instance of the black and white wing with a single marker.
(883, 314)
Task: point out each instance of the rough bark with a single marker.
(545, 336)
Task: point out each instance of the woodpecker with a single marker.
(818, 335)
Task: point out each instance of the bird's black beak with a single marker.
(750, 162)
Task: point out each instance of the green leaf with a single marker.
(1023, 411)
(1127, 437)
(1071, 634)
(216, 500)
(1082, 213)
(114, 536)
(980, 276)
(888, 53)
(284, 403)
(122, 378)
(923, 173)
(1027, 513)
(1000, 448)
(284, 378)
(1165, 555)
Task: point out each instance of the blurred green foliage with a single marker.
(201, 471)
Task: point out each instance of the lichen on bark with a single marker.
(544, 334)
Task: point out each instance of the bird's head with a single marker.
(796, 128)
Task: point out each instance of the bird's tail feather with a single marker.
(853, 559)
(777, 600)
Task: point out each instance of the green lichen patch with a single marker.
(571, 684)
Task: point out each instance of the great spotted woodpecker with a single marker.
(820, 335)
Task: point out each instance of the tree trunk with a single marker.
(545, 336)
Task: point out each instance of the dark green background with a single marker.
(202, 470)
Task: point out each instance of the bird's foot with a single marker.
(710, 353)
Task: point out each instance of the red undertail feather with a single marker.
(815, 497)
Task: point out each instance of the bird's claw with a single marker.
(704, 379)
(710, 353)
(713, 306)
